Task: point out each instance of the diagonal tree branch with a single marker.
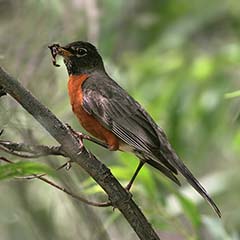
(119, 197)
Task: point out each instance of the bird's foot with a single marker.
(78, 135)
(89, 138)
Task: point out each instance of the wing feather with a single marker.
(124, 124)
(120, 113)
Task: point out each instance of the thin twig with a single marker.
(30, 151)
(44, 179)
(66, 164)
(5, 160)
(1, 132)
(96, 204)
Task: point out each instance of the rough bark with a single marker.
(119, 197)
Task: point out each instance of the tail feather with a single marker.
(164, 170)
(177, 163)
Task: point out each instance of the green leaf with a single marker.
(93, 189)
(202, 67)
(233, 94)
(216, 228)
(21, 169)
(190, 209)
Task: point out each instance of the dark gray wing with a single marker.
(121, 114)
(116, 110)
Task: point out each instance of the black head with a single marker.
(81, 57)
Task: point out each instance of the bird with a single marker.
(109, 113)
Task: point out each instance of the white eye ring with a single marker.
(80, 52)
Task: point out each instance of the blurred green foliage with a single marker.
(180, 60)
(23, 169)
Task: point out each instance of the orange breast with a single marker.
(88, 121)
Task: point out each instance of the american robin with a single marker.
(110, 114)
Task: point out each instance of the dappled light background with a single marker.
(181, 61)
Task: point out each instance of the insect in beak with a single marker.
(54, 52)
(56, 49)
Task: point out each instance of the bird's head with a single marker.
(79, 57)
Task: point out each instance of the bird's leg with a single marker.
(87, 137)
(94, 140)
(141, 163)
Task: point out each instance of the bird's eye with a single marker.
(80, 52)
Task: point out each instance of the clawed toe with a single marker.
(78, 135)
